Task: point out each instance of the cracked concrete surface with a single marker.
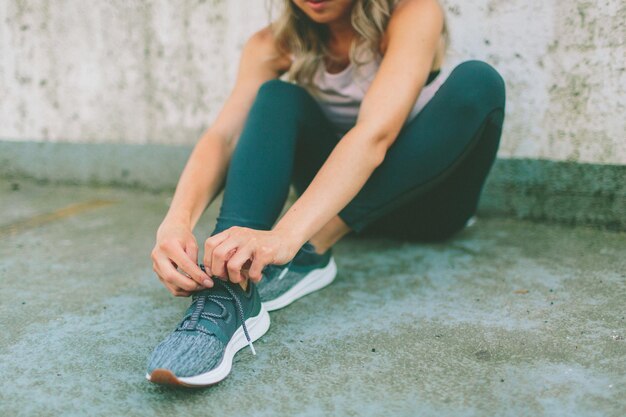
(508, 318)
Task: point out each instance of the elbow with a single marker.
(380, 140)
(377, 139)
(379, 151)
(383, 128)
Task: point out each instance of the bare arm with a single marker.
(205, 171)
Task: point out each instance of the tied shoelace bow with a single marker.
(201, 301)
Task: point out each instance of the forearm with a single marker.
(200, 180)
(338, 181)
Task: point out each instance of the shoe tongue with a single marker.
(218, 291)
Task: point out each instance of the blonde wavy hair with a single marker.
(295, 33)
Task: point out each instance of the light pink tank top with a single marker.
(341, 93)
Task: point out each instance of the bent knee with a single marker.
(281, 98)
(482, 85)
(277, 89)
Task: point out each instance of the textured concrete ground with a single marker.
(509, 318)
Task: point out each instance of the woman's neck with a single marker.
(340, 30)
(338, 44)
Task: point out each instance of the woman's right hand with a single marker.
(175, 259)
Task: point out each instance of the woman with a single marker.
(351, 102)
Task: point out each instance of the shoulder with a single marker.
(410, 9)
(262, 47)
(408, 14)
(262, 38)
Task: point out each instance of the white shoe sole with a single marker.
(313, 281)
(257, 327)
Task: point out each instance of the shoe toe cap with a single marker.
(187, 354)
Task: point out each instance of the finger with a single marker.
(244, 274)
(245, 268)
(209, 246)
(173, 277)
(236, 262)
(173, 250)
(259, 261)
(177, 292)
(221, 254)
(191, 249)
(161, 266)
(181, 258)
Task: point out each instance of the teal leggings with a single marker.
(427, 187)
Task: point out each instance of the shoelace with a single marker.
(201, 301)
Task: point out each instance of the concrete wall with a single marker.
(158, 71)
(118, 71)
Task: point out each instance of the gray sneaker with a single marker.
(219, 322)
(308, 271)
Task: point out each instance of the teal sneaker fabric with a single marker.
(278, 279)
(197, 344)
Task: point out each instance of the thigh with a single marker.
(315, 142)
(432, 145)
(261, 169)
(444, 210)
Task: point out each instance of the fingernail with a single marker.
(207, 283)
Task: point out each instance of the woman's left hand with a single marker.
(238, 253)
